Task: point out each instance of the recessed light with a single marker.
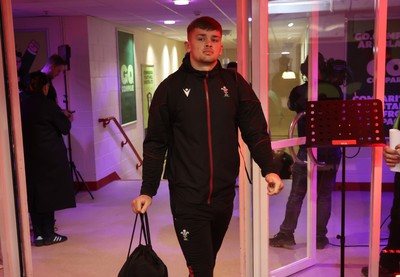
(169, 22)
(285, 53)
(291, 24)
(148, 29)
(181, 2)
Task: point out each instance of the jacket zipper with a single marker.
(209, 139)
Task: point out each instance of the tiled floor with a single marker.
(99, 232)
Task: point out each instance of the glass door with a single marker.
(284, 33)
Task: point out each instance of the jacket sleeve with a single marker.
(253, 127)
(156, 142)
(60, 121)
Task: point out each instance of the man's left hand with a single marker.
(274, 182)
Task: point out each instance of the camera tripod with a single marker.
(76, 175)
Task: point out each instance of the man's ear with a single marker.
(220, 51)
(187, 46)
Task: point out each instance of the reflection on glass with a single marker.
(346, 41)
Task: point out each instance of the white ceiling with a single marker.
(144, 14)
(138, 13)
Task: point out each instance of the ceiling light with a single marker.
(169, 22)
(288, 75)
(181, 2)
(291, 24)
(148, 29)
(285, 52)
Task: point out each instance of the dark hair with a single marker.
(56, 60)
(205, 23)
(37, 80)
(232, 65)
(338, 71)
(321, 65)
(18, 53)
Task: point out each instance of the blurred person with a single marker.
(48, 174)
(24, 63)
(232, 65)
(53, 67)
(326, 176)
(194, 118)
(283, 163)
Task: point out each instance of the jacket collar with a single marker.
(187, 67)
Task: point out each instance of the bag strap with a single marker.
(145, 230)
(133, 232)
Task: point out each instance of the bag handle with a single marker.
(145, 228)
(144, 231)
(133, 232)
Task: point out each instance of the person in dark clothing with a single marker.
(283, 163)
(326, 176)
(48, 175)
(389, 262)
(53, 67)
(24, 63)
(194, 118)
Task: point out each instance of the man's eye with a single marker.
(201, 39)
(215, 40)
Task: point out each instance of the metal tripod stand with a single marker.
(76, 175)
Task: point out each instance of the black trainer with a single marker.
(282, 240)
(322, 242)
(55, 238)
(38, 241)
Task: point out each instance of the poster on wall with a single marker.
(147, 91)
(126, 73)
(360, 58)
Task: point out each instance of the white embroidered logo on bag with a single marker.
(185, 234)
(225, 90)
(186, 91)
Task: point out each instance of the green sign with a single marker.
(147, 90)
(126, 72)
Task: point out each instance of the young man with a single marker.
(194, 117)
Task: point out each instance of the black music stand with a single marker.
(344, 123)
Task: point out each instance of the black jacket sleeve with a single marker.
(253, 127)
(156, 142)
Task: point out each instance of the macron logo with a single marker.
(186, 91)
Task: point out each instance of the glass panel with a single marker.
(345, 40)
(287, 46)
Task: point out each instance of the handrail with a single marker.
(107, 121)
(309, 150)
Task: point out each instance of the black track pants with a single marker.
(200, 230)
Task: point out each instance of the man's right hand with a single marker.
(33, 47)
(141, 203)
(391, 156)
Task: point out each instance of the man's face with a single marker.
(56, 70)
(205, 46)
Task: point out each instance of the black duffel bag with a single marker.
(143, 261)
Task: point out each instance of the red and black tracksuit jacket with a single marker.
(194, 119)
